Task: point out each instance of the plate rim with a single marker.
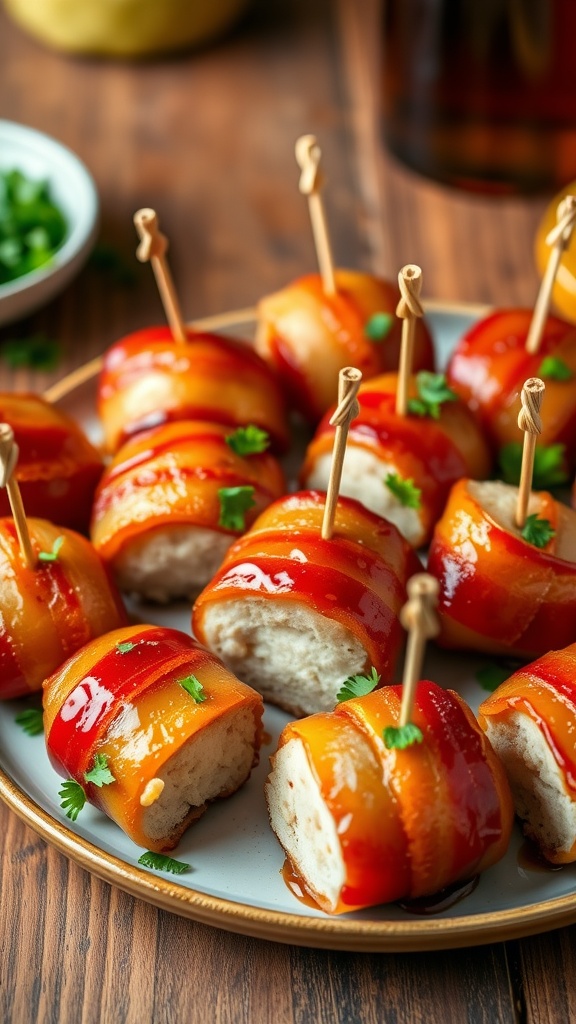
(342, 933)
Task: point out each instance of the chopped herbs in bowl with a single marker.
(32, 225)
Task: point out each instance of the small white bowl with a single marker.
(73, 190)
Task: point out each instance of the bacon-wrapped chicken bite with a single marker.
(152, 728)
(175, 498)
(49, 611)
(402, 467)
(149, 379)
(363, 824)
(58, 469)
(309, 336)
(505, 590)
(294, 614)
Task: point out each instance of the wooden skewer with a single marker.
(8, 459)
(348, 383)
(153, 247)
(419, 617)
(308, 155)
(559, 239)
(529, 421)
(409, 310)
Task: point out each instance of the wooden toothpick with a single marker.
(559, 239)
(529, 421)
(409, 310)
(153, 247)
(348, 383)
(308, 155)
(419, 617)
(8, 460)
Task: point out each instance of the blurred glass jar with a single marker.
(124, 28)
(481, 94)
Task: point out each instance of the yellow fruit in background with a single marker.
(564, 293)
(124, 28)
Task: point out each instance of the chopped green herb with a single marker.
(491, 676)
(554, 368)
(433, 391)
(159, 862)
(32, 226)
(52, 556)
(538, 531)
(72, 798)
(37, 352)
(378, 326)
(549, 465)
(124, 648)
(234, 504)
(31, 721)
(358, 686)
(401, 736)
(405, 490)
(109, 261)
(194, 687)
(100, 774)
(249, 440)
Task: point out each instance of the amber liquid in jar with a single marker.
(481, 94)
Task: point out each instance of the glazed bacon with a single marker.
(149, 379)
(308, 336)
(58, 469)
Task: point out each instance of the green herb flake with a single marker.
(72, 798)
(406, 491)
(537, 531)
(378, 326)
(358, 686)
(37, 352)
(100, 774)
(159, 862)
(194, 687)
(433, 392)
(124, 648)
(491, 676)
(234, 504)
(549, 465)
(31, 721)
(52, 556)
(401, 736)
(554, 368)
(249, 440)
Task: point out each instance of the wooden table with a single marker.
(207, 139)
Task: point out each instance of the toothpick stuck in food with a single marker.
(8, 460)
(559, 239)
(153, 246)
(419, 617)
(529, 421)
(349, 381)
(409, 310)
(308, 156)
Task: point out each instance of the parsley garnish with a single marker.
(52, 556)
(401, 736)
(553, 368)
(249, 440)
(32, 226)
(37, 352)
(538, 531)
(405, 490)
(31, 721)
(549, 465)
(158, 862)
(194, 687)
(72, 798)
(378, 326)
(358, 686)
(100, 774)
(124, 648)
(491, 676)
(234, 504)
(433, 391)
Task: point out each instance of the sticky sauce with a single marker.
(440, 901)
(294, 882)
(529, 858)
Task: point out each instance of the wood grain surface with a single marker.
(207, 138)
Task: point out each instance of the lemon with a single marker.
(124, 28)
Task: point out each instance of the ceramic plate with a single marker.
(235, 879)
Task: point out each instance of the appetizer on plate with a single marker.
(175, 498)
(150, 728)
